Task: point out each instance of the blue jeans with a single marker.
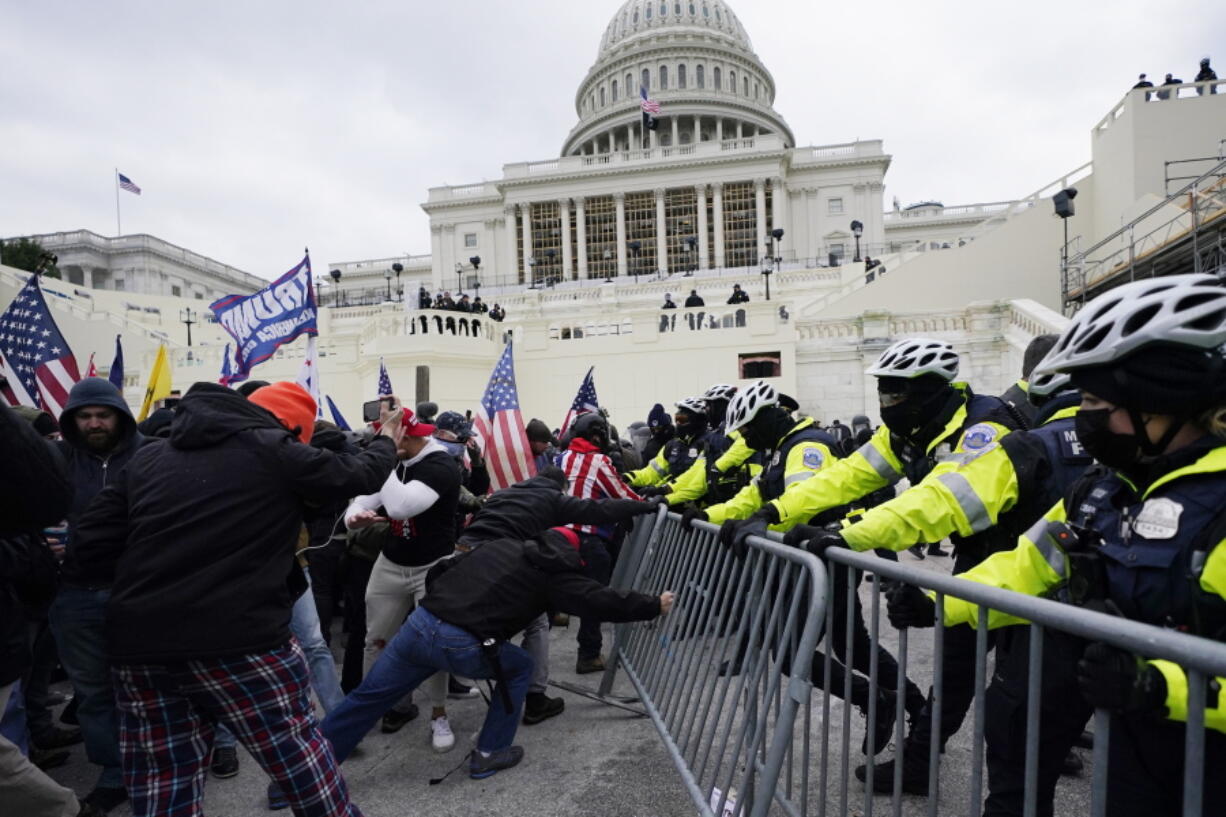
(13, 720)
(78, 616)
(423, 646)
(304, 624)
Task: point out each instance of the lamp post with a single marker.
(635, 247)
(459, 278)
(387, 277)
(772, 261)
(857, 230)
(607, 255)
(550, 254)
(691, 263)
(188, 317)
(476, 262)
(1063, 202)
(336, 277)
(532, 271)
(398, 268)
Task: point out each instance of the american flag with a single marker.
(584, 402)
(34, 356)
(501, 426)
(385, 382)
(650, 106)
(128, 184)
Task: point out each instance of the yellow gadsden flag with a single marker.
(159, 383)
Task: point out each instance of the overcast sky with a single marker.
(258, 128)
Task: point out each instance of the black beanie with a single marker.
(1159, 380)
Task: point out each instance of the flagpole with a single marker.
(118, 228)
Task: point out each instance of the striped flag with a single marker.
(501, 427)
(34, 357)
(308, 376)
(128, 184)
(115, 375)
(585, 401)
(650, 106)
(385, 382)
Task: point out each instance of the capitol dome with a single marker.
(695, 58)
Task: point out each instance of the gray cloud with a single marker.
(258, 128)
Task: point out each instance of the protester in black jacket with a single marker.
(474, 603)
(200, 533)
(34, 492)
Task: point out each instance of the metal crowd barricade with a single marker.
(1201, 659)
(725, 676)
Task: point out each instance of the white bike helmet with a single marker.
(1047, 383)
(694, 405)
(1178, 310)
(747, 403)
(720, 391)
(917, 356)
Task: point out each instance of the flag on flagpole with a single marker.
(263, 321)
(115, 375)
(651, 109)
(91, 370)
(385, 383)
(34, 357)
(227, 370)
(501, 427)
(308, 376)
(336, 415)
(585, 401)
(127, 184)
(159, 383)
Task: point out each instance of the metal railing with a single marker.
(724, 678)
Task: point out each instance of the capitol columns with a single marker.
(700, 197)
(661, 232)
(759, 195)
(779, 209)
(581, 236)
(567, 256)
(619, 198)
(717, 213)
(510, 262)
(525, 211)
(436, 255)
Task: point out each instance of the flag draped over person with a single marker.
(159, 383)
(385, 382)
(584, 402)
(115, 375)
(501, 426)
(261, 323)
(35, 359)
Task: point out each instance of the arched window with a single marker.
(700, 78)
(636, 16)
(647, 12)
(591, 102)
(602, 96)
(745, 85)
(716, 78)
(732, 81)
(692, 11)
(664, 9)
(681, 76)
(757, 90)
(663, 77)
(706, 12)
(614, 88)
(629, 84)
(646, 79)
(677, 9)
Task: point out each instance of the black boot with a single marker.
(914, 772)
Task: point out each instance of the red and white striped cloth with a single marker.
(592, 476)
(35, 359)
(500, 426)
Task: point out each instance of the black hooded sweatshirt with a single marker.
(199, 530)
(495, 591)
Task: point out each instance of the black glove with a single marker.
(799, 535)
(653, 491)
(627, 508)
(908, 606)
(825, 540)
(1111, 678)
(735, 533)
(687, 518)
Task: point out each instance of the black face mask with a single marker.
(1118, 451)
(915, 412)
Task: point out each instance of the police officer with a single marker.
(678, 454)
(1139, 535)
(726, 462)
(990, 495)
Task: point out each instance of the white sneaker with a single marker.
(442, 737)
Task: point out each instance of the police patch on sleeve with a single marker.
(813, 458)
(978, 437)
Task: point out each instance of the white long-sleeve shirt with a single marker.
(401, 500)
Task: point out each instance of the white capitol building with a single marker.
(580, 249)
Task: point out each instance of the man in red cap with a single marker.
(419, 499)
(199, 534)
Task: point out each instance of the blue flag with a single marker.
(336, 415)
(115, 375)
(275, 315)
(227, 371)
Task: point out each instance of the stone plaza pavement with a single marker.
(592, 760)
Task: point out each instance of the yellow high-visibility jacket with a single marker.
(1039, 565)
(692, 485)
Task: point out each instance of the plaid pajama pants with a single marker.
(167, 717)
